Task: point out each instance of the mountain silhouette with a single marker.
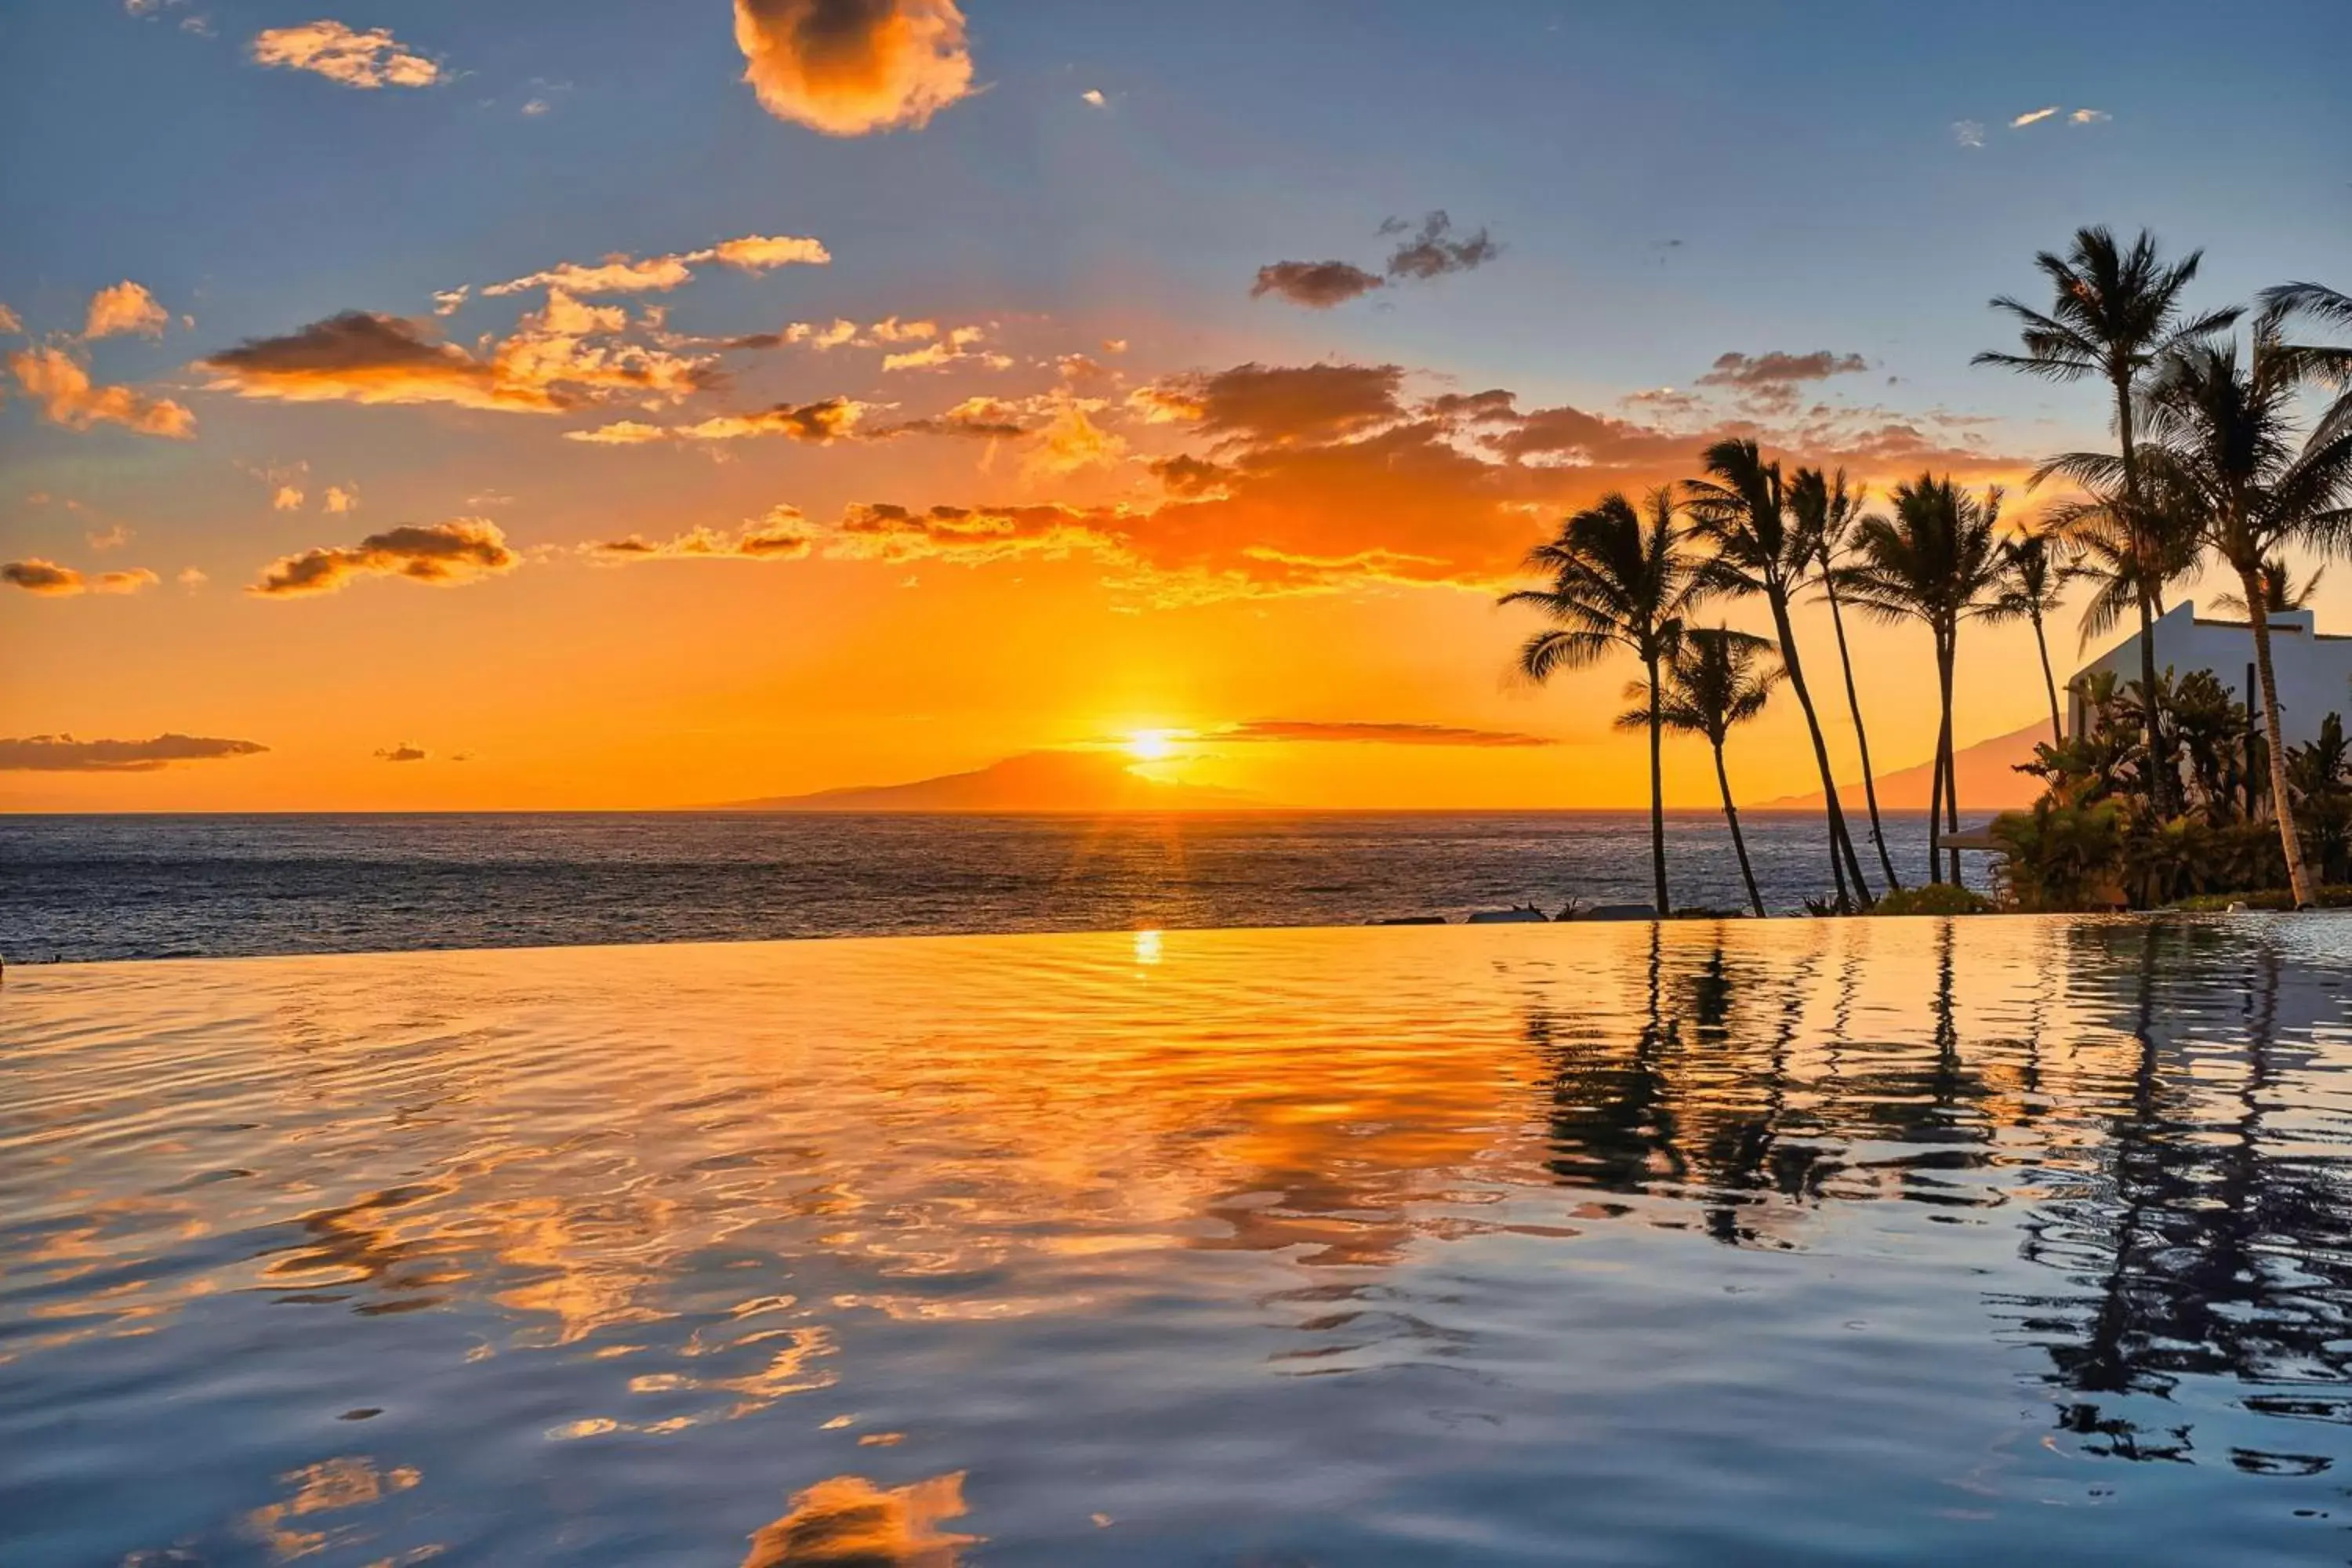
(1986, 772)
(1031, 780)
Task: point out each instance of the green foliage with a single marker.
(1933, 899)
(2319, 775)
(2095, 842)
(2063, 855)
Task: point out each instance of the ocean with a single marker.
(130, 887)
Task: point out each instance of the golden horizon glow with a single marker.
(593, 483)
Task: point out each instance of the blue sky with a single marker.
(1667, 184)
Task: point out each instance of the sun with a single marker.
(1151, 745)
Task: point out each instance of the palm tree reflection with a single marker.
(2188, 1233)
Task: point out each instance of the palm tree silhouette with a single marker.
(1743, 512)
(1936, 561)
(2280, 593)
(2115, 311)
(2033, 577)
(1620, 578)
(1714, 681)
(2106, 552)
(1826, 511)
(2221, 455)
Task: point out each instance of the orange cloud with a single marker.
(370, 59)
(124, 307)
(36, 575)
(957, 345)
(819, 423)
(622, 274)
(831, 337)
(883, 532)
(546, 367)
(781, 535)
(847, 68)
(1277, 405)
(1072, 442)
(550, 349)
(988, 417)
(69, 397)
(445, 554)
(64, 754)
(9, 321)
(360, 357)
(1322, 477)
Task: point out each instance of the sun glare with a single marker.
(1151, 745)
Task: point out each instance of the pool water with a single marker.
(2004, 1240)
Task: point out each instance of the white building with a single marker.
(2313, 667)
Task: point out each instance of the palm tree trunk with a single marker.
(2298, 878)
(2041, 645)
(1841, 844)
(2160, 787)
(1951, 658)
(1937, 771)
(1658, 800)
(1738, 842)
(1861, 736)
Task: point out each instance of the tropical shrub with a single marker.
(2061, 856)
(2319, 775)
(2096, 841)
(1932, 899)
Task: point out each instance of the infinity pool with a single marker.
(2002, 1240)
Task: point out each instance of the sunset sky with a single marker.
(438, 404)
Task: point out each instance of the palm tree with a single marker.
(1826, 511)
(2280, 593)
(1937, 560)
(2032, 578)
(2105, 552)
(2223, 452)
(1715, 681)
(1742, 512)
(2115, 311)
(1620, 578)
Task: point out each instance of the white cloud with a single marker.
(2033, 117)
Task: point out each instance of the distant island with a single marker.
(1033, 781)
(1987, 773)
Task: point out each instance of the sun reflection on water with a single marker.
(992, 1197)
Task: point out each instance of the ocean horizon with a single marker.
(134, 886)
